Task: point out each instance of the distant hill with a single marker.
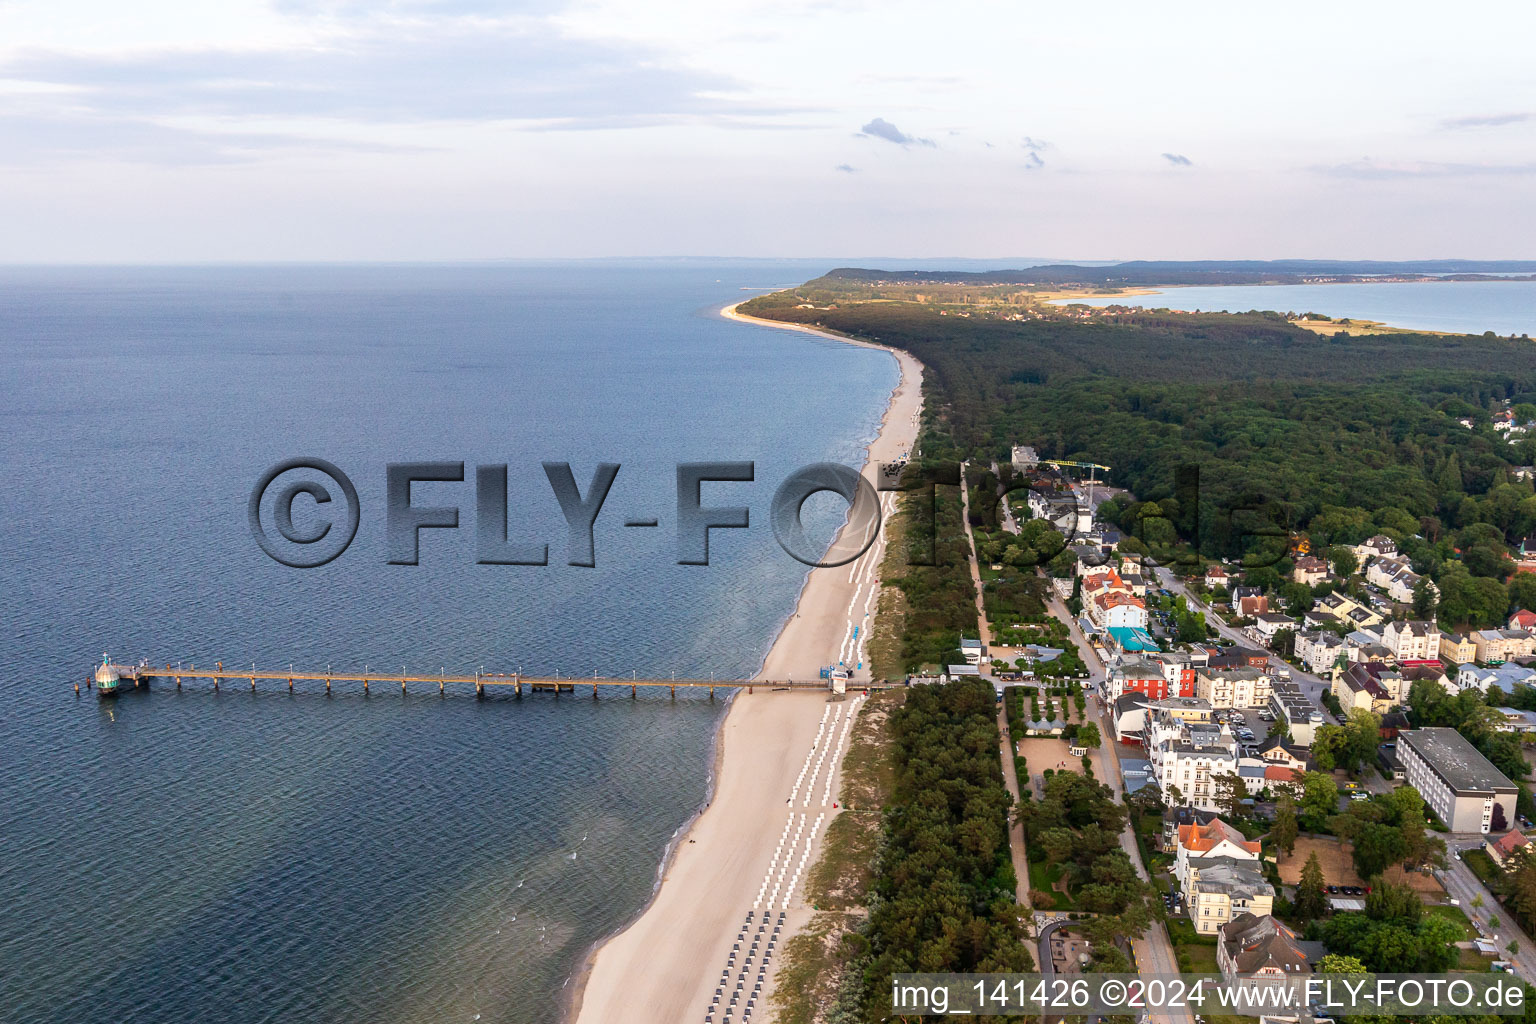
(1156, 272)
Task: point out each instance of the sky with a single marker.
(260, 130)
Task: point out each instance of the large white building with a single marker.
(1414, 640)
(1233, 687)
(1319, 650)
(1458, 783)
(1218, 869)
(1025, 458)
(1396, 577)
(1189, 756)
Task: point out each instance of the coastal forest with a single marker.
(1224, 427)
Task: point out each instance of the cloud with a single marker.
(1178, 159)
(26, 138)
(846, 169)
(1485, 120)
(388, 71)
(1033, 148)
(1379, 170)
(880, 128)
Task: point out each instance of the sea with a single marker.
(237, 857)
(1457, 307)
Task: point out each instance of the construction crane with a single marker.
(1091, 467)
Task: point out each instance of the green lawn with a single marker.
(1195, 953)
(1472, 960)
(1042, 877)
(1196, 959)
(1482, 866)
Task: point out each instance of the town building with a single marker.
(1130, 717)
(1496, 646)
(1267, 624)
(971, 649)
(1457, 648)
(1347, 610)
(1258, 950)
(1233, 687)
(1249, 601)
(1458, 783)
(1413, 640)
(1319, 650)
(1309, 570)
(1504, 677)
(1508, 848)
(1368, 686)
(1222, 888)
(1210, 839)
(1396, 577)
(1290, 703)
(1188, 755)
(1176, 818)
(1379, 546)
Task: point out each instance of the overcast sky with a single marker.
(439, 129)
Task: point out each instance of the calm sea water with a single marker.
(1462, 307)
(240, 858)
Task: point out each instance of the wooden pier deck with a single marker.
(141, 675)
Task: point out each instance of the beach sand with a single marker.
(665, 967)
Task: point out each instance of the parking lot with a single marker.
(1249, 718)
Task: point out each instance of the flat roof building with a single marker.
(1458, 783)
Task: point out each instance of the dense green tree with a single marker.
(1284, 831)
(1311, 901)
(1319, 800)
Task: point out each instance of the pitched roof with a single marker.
(1254, 943)
(1204, 838)
(1510, 841)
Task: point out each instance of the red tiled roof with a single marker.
(1510, 842)
(1201, 838)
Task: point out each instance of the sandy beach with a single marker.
(779, 757)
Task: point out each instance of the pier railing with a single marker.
(142, 674)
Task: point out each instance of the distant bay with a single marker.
(1457, 307)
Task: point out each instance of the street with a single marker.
(1462, 884)
(1153, 950)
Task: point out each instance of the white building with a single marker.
(1414, 640)
(1458, 783)
(1233, 687)
(1189, 756)
(1319, 650)
(1267, 624)
(1395, 576)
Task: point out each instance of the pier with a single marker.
(142, 674)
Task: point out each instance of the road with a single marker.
(1462, 883)
(1153, 950)
(1310, 684)
(1015, 831)
(1005, 750)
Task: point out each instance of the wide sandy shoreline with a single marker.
(666, 964)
